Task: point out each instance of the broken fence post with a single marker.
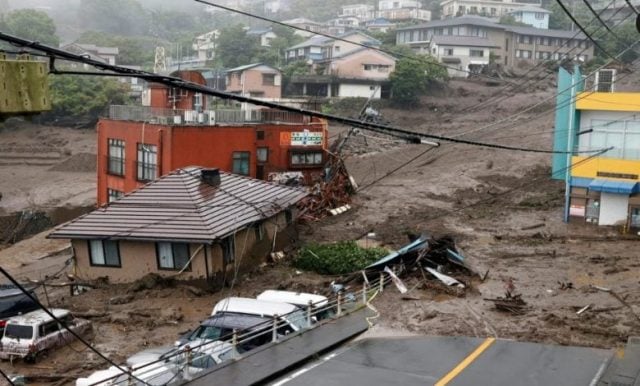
(274, 330)
(381, 281)
(309, 313)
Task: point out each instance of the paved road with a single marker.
(456, 361)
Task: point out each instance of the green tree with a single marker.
(234, 48)
(626, 35)
(411, 79)
(31, 24)
(133, 50)
(510, 20)
(83, 98)
(559, 19)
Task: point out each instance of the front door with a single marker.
(260, 172)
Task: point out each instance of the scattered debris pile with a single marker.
(331, 195)
(512, 303)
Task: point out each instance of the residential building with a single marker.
(321, 47)
(191, 224)
(380, 25)
(106, 55)
(137, 144)
(515, 44)
(363, 12)
(256, 80)
(531, 15)
(468, 54)
(402, 10)
(310, 26)
(309, 50)
(604, 190)
(205, 45)
(357, 73)
(343, 24)
(491, 8)
(264, 35)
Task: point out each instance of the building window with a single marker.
(262, 154)
(259, 231)
(147, 162)
(173, 256)
(336, 49)
(260, 135)
(229, 249)
(448, 51)
(241, 162)
(308, 158)
(104, 253)
(268, 79)
(113, 195)
(288, 215)
(116, 157)
(476, 53)
(539, 15)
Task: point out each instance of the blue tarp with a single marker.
(613, 186)
(414, 246)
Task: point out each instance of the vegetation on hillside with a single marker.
(338, 258)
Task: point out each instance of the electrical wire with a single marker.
(5, 376)
(65, 326)
(632, 7)
(395, 54)
(576, 22)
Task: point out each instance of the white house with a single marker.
(205, 45)
(364, 12)
(462, 54)
(264, 35)
(533, 16)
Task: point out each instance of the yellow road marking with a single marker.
(466, 362)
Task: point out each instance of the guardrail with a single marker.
(177, 367)
(155, 115)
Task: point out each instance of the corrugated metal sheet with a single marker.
(182, 207)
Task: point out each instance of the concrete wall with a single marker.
(358, 90)
(613, 209)
(139, 258)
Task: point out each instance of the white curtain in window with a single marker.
(165, 255)
(97, 253)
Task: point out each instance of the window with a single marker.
(197, 101)
(268, 79)
(49, 328)
(448, 51)
(288, 215)
(259, 231)
(241, 162)
(147, 162)
(311, 158)
(476, 53)
(113, 195)
(229, 249)
(260, 135)
(262, 154)
(336, 49)
(104, 253)
(116, 157)
(368, 67)
(623, 136)
(173, 256)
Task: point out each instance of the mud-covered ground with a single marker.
(500, 206)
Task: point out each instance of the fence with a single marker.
(186, 362)
(155, 115)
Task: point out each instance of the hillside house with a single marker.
(256, 80)
(191, 224)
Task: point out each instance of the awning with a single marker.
(581, 182)
(614, 186)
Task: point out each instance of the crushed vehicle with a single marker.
(35, 333)
(290, 318)
(319, 304)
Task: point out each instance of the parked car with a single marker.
(293, 318)
(222, 325)
(32, 334)
(319, 303)
(14, 302)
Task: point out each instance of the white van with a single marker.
(319, 303)
(294, 317)
(34, 333)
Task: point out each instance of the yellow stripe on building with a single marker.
(604, 165)
(608, 101)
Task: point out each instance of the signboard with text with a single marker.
(301, 138)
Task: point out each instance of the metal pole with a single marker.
(339, 304)
(381, 281)
(364, 293)
(570, 134)
(274, 331)
(234, 342)
(309, 313)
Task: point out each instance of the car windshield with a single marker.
(16, 331)
(297, 319)
(206, 332)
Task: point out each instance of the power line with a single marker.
(344, 40)
(632, 7)
(187, 85)
(5, 376)
(576, 22)
(65, 326)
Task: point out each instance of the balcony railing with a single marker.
(163, 116)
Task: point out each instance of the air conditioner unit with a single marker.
(201, 118)
(605, 80)
(163, 120)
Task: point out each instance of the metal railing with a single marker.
(155, 115)
(179, 364)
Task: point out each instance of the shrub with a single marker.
(338, 258)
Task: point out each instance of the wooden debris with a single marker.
(510, 303)
(583, 309)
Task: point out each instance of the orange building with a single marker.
(137, 144)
